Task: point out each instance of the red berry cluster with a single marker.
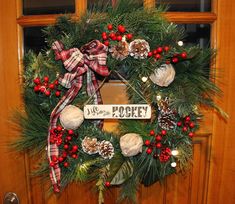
(160, 51)
(157, 53)
(165, 154)
(187, 126)
(69, 150)
(45, 87)
(156, 143)
(176, 57)
(115, 35)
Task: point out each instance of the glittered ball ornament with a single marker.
(71, 117)
(131, 144)
(163, 76)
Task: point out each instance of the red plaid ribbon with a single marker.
(89, 59)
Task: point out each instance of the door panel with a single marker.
(12, 166)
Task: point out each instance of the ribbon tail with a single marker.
(93, 91)
(52, 149)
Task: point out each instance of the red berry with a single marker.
(159, 145)
(51, 86)
(59, 128)
(159, 49)
(75, 156)
(64, 154)
(121, 29)
(69, 138)
(187, 118)
(184, 129)
(149, 151)
(147, 142)
(46, 79)
(57, 93)
(129, 36)
(75, 147)
(105, 37)
(158, 138)
(152, 133)
(70, 132)
(61, 159)
(114, 38)
(163, 132)
(54, 159)
(119, 38)
(184, 55)
(36, 88)
(66, 146)
(110, 27)
(42, 89)
(66, 164)
(191, 134)
(37, 81)
(47, 93)
(56, 82)
(52, 164)
(175, 60)
(179, 123)
(192, 125)
(166, 48)
(111, 35)
(104, 34)
(150, 54)
(107, 184)
(154, 52)
(168, 62)
(157, 56)
(106, 43)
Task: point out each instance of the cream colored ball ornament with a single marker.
(131, 144)
(164, 75)
(71, 117)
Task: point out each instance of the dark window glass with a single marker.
(186, 5)
(104, 5)
(197, 34)
(94, 5)
(34, 39)
(36, 7)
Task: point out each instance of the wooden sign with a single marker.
(130, 111)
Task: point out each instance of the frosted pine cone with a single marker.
(166, 116)
(120, 51)
(139, 49)
(106, 149)
(90, 145)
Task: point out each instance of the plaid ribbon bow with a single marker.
(89, 59)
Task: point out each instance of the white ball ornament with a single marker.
(173, 164)
(71, 117)
(131, 144)
(180, 43)
(164, 75)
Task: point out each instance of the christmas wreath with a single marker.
(145, 51)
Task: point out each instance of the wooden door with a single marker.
(212, 176)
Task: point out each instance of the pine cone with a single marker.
(106, 149)
(139, 49)
(120, 51)
(90, 145)
(166, 116)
